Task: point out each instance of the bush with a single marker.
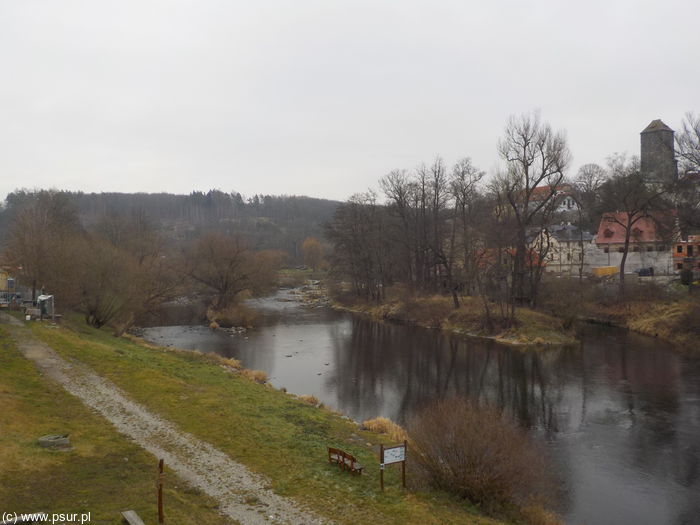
(233, 316)
(231, 363)
(474, 453)
(311, 400)
(257, 376)
(383, 425)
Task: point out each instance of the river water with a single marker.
(619, 413)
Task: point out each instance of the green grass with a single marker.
(104, 473)
(269, 431)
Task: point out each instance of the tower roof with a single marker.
(656, 125)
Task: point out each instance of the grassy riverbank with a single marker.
(271, 432)
(663, 310)
(532, 328)
(677, 322)
(104, 473)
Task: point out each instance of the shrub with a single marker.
(474, 453)
(231, 363)
(257, 376)
(383, 425)
(311, 400)
(537, 515)
(236, 315)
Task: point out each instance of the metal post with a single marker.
(403, 463)
(161, 519)
(381, 466)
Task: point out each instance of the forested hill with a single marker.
(267, 221)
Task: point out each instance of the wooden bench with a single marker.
(344, 460)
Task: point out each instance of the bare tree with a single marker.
(688, 143)
(400, 191)
(634, 200)
(361, 247)
(464, 185)
(535, 156)
(590, 177)
(221, 265)
(38, 240)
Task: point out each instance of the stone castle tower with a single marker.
(658, 162)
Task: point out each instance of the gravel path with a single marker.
(241, 494)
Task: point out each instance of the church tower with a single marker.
(658, 162)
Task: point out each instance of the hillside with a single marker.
(267, 221)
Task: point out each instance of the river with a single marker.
(619, 413)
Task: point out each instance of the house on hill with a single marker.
(567, 248)
(650, 242)
(564, 201)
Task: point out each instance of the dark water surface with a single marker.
(619, 414)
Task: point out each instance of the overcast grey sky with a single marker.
(323, 97)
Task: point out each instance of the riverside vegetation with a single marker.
(528, 328)
(666, 311)
(273, 433)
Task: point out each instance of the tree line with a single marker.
(449, 230)
(123, 265)
(269, 222)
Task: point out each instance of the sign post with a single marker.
(161, 518)
(391, 455)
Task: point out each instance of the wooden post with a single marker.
(381, 466)
(403, 463)
(161, 519)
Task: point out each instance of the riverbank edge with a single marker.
(666, 321)
(513, 337)
(535, 329)
(357, 495)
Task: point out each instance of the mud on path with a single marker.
(242, 495)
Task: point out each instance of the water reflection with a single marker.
(619, 414)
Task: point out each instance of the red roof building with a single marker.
(651, 232)
(562, 195)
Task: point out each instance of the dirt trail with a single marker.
(241, 494)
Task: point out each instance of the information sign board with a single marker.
(394, 454)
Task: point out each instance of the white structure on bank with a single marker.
(650, 243)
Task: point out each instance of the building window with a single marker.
(679, 266)
(621, 249)
(679, 248)
(650, 248)
(606, 249)
(635, 248)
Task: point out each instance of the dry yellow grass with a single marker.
(311, 400)
(437, 311)
(675, 322)
(537, 515)
(383, 425)
(257, 376)
(231, 362)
